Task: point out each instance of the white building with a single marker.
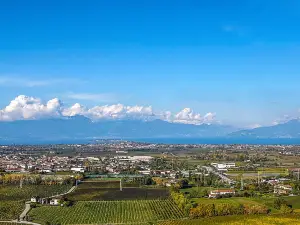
(215, 193)
(77, 170)
(223, 166)
(134, 158)
(34, 199)
(145, 172)
(54, 201)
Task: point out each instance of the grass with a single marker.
(198, 189)
(234, 201)
(108, 212)
(241, 220)
(268, 202)
(294, 201)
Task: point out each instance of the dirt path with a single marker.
(27, 207)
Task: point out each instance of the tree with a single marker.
(278, 202)
(205, 192)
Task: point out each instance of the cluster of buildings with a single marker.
(50, 163)
(221, 192)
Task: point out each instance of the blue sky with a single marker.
(238, 59)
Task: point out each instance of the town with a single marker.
(192, 177)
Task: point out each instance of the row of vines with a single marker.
(108, 212)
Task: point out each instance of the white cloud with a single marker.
(119, 111)
(14, 81)
(92, 97)
(284, 119)
(24, 108)
(74, 110)
(253, 126)
(187, 116)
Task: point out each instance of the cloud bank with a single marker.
(30, 108)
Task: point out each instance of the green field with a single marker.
(294, 201)
(6, 223)
(110, 191)
(234, 201)
(14, 192)
(241, 220)
(268, 202)
(105, 212)
(12, 197)
(10, 209)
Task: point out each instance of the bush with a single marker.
(286, 209)
(255, 209)
(225, 209)
(279, 202)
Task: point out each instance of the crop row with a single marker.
(108, 212)
(14, 192)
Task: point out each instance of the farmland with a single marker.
(10, 209)
(13, 192)
(240, 220)
(131, 211)
(13, 197)
(110, 191)
(12, 223)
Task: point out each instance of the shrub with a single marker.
(286, 209)
(279, 202)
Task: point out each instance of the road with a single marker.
(222, 176)
(27, 207)
(26, 210)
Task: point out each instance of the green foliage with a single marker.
(285, 209)
(180, 200)
(108, 212)
(285, 219)
(278, 202)
(12, 197)
(10, 209)
(225, 209)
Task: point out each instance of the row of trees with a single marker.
(36, 179)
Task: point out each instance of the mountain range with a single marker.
(290, 129)
(82, 128)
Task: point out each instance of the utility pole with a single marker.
(121, 189)
(21, 183)
(172, 163)
(242, 183)
(258, 180)
(298, 174)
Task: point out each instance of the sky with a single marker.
(235, 60)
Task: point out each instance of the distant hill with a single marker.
(290, 129)
(80, 127)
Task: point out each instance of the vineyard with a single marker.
(12, 197)
(241, 220)
(14, 192)
(110, 191)
(10, 209)
(140, 211)
(12, 223)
